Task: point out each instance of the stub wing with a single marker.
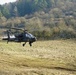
(12, 37)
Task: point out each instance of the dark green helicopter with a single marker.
(24, 36)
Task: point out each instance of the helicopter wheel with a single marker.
(24, 44)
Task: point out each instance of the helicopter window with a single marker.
(29, 35)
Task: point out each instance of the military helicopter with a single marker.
(24, 36)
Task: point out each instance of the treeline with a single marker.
(59, 8)
(46, 19)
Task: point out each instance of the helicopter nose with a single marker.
(34, 39)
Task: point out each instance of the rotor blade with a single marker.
(19, 29)
(15, 28)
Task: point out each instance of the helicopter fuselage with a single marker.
(23, 37)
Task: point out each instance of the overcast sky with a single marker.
(6, 1)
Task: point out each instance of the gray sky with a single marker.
(6, 1)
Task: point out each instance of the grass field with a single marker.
(54, 57)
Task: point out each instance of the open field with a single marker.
(54, 57)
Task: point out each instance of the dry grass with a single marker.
(55, 57)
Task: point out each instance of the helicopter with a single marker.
(24, 36)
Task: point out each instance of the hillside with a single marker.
(52, 18)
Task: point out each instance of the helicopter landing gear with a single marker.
(30, 43)
(24, 44)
